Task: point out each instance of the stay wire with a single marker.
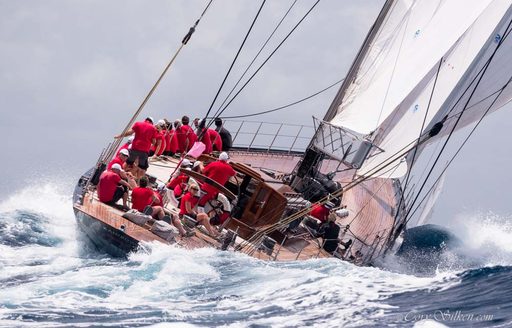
(218, 113)
(286, 106)
(257, 55)
(236, 57)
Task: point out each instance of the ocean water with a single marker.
(50, 277)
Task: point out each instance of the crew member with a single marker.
(186, 135)
(219, 171)
(227, 141)
(144, 196)
(188, 207)
(330, 231)
(120, 159)
(112, 188)
(145, 134)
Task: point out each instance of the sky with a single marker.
(72, 73)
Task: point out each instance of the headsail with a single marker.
(428, 100)
(417, 66)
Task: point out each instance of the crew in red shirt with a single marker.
(145, 134)
(219, 171)
(215, 139)
(158, 147)
(126, 145)
(186, 135)
(188, 207)
(321, 211)
(120, 159)
(205, 138)
(171, 140)
(111, 187)
(144, 196)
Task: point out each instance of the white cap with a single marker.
(223, 156)
(116, 167)
(160, 186)
(185, 162)
(131, 139)
(160, 122)
(149, 118)
(125, 152)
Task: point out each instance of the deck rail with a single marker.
(270, 136)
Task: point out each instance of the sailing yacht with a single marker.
(426, 69)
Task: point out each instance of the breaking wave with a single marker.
(49, 278)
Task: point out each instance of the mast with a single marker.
(331, 112)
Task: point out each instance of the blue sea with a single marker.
(51, 277)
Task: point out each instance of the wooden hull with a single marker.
(104, 236)
(372, 207)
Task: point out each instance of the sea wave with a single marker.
(49, 278)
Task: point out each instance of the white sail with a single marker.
(486, 86)
(431, 200)
(414, 36)
(397, 135)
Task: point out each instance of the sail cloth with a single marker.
(446, 79)
(411, 40)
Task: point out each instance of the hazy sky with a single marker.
(73, 72)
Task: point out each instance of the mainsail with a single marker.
(421, 65)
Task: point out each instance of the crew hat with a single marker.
(160, 186)
(149, 118)
(125, 152)
(161, 122)
(116, 167)
(185, 163)
(224, 156)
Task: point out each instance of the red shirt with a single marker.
(216, 139)
(160, 201)
(180, 179)
(320, 212)
(188, 198)
(185, 133)
(159, 136)
(116, 160)
(107, 185)
(173, 144)
(141, 197)
(125, 146)
(218, 171)
(144, 134)
(207, 142)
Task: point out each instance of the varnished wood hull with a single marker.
(372, 206)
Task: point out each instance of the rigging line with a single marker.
(255, 57)
(236, 57)
(505, 35)
(486, 66)
(415, 149)
(266, 60)
(460, 148)
(110, 152)
(285, 106)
